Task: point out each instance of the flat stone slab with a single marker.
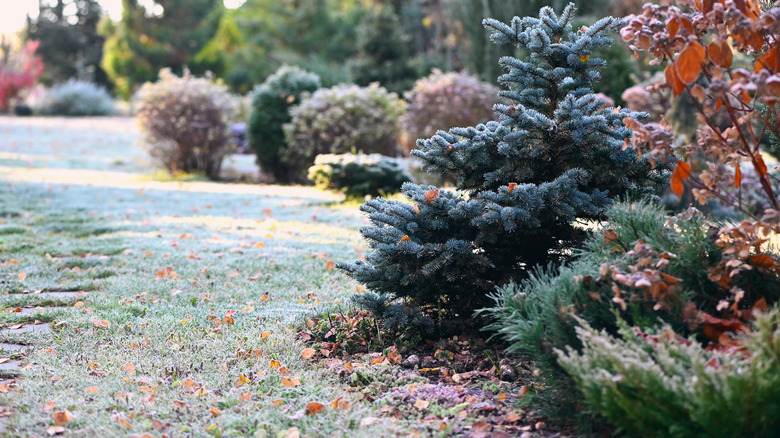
(11, 365)
(55, 295)
(27, 328)
(11, 347)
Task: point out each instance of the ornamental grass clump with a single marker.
(554, 157)
(185, 123)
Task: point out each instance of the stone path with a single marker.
(12, 354)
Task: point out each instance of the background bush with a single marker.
(185, 122)
(75, 98)
(358, 175)
(345, 118)
(445, 100)
(271, 103)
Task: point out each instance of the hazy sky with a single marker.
(13, 12)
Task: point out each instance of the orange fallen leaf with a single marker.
(344, 405)
(265, 335)
(101, 323)
(179, 404)
(49, 406)
(130, 368)
(22, 276)
(246, 396)
(55, 430)
(314, 408)
(277, 402)
(291, 383)
(275, 364)
(421, 404)
(308, 353)
(92, 390)
(200, 392)
(188, 383)
(62, 418)
(229, 320)
(329, 266)
(215, 412)
(151, 389)
(242, 380)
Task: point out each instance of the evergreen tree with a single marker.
(167, 35)
(69, 43)
(555, 156)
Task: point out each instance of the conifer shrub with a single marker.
(345, 118)
(271, 104)
(658, 384)
(75, 98)
(445, 99)
(185, 122)
(555, 156)
(357, 175)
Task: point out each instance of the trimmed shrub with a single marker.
(445, 99)
(345, 118)
(357, 175)
(185, 122)
(271, 103)
(75, 98)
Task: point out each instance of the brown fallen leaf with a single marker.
(314, 408)
(62, 418)
(55, 430)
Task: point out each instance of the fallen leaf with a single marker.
(277, 402)
(22, 276)
(62, 418)
(179, 404)
(265, 335)
(242, 380)
(314, 408)
(55, 430)
(246, 396)
(329, 266)
(291, 383)
(215, 412)
(130, 369)
(92, 390)
(49, 406)
(101, 323)
(421, 404)
(308, 353)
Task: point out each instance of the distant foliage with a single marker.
(19, 71)
(358, 175)
(345, 118)
(75, 98)
(271, 104)
(445, 100)
(186, 122)
(383, 52)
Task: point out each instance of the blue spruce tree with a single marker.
(555, 156)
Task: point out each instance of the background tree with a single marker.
(166, 35)
(19, 70)
(69, 43)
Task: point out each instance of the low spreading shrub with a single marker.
(271, 103)
(657, 384)
(357, 175)
(185, 122)
(345, 118)
(75, 98)
(445, 99)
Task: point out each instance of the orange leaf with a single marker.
(769, 60)
(242, 380)
(291, 383)
(432, 194)
(308, 353)
(677, 185)
(762, 261)
(719, 53)
(22, 276)
(275, 364)
(672, 81)
(245, 396)
(265, 335)
(63, 417)
(511, 186)
(761, 165)
(610, 236)
(737, 177)
(314, 408)
(405, 238)
(92, 390)
(277, 402)
(284, 371)
(672, 26)
(229, 320)
(761, 305)
(329, 266)
(690, 62)
(215, 412)
(101, 323)
(49, 406)
(378, 360)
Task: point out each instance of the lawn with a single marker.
(171, 308)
